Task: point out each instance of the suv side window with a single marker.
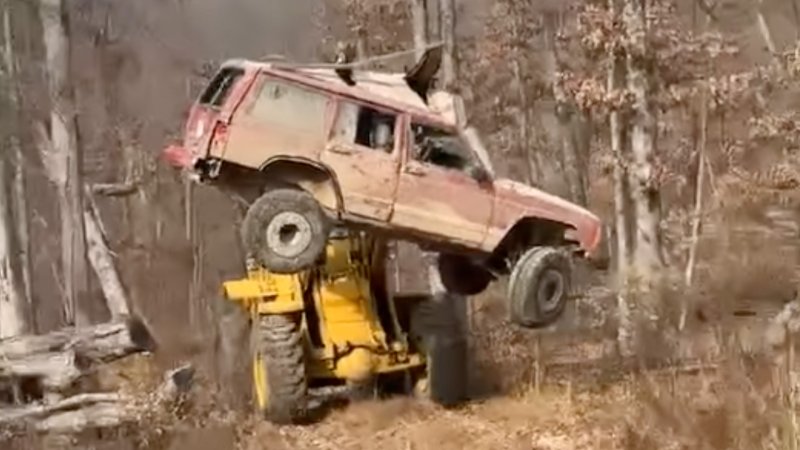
(290, 107)
(364, 126)
(440, 148)
(220, 86)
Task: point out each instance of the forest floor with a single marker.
(583, 400)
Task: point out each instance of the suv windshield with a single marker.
(220, 86)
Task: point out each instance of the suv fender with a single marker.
(527, 232)
(312, 176)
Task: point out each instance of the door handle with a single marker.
(416, 171)
(340, 150)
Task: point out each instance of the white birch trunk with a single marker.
(64, 161)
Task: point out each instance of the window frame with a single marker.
(220, 76)
(339, 101)
(450, 131)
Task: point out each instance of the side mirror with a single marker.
(480, 174)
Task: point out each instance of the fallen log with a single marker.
(101, 343)
(39, 364)
(98, 410)
(52, 371)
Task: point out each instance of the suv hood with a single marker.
(525, 200)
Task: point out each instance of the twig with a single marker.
(115, 189)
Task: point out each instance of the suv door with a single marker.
(436, 193)
(364, 153)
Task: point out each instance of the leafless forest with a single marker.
(672, 120)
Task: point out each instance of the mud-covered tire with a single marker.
(285, 230)
(278, 349)
(539, 287)
(437, 330)
(461, 276)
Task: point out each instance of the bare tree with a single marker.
(644, 191)
(573, 124)
(62, 156)
(447, 18)
(13, 304)
(622, 201)
(419, 25)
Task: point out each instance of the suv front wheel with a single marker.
(538, 288)
(285, 230)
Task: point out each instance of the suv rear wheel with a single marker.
(538, 288)
(285, 230)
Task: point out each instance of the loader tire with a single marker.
(437, 329)
(461, 276)
(279, 371)
(539, 287)
(285, 230)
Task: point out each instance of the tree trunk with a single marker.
(103, 263)
(622, 200)
(19, 202)
(65, 161)
(13, 305)
(12, 300)
(643, 275)
(573, 128)
(529, 152)
(419, 26)
(447, 18)
(645, 193)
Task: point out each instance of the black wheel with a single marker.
(461, 276)
(279, 372)
(285, 230)
(538, 288)
(436, 328)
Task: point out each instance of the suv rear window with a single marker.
(220, 86)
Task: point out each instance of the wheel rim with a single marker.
(260, 382)
(550, 291)
(288, 234)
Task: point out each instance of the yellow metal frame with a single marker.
(354, 342)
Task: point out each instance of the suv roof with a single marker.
(388, 89)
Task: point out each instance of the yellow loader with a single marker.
(338, 324)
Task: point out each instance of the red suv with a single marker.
(308, 147)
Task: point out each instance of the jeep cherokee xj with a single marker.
(308, 147)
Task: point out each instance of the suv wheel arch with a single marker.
(526, 233)
(312, 176)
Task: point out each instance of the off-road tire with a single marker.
(282, 209)
(539, 287)
(461, 276)
(279, 340)
(437, 330)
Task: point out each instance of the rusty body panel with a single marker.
(361, 137)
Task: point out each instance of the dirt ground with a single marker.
(584, 399)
